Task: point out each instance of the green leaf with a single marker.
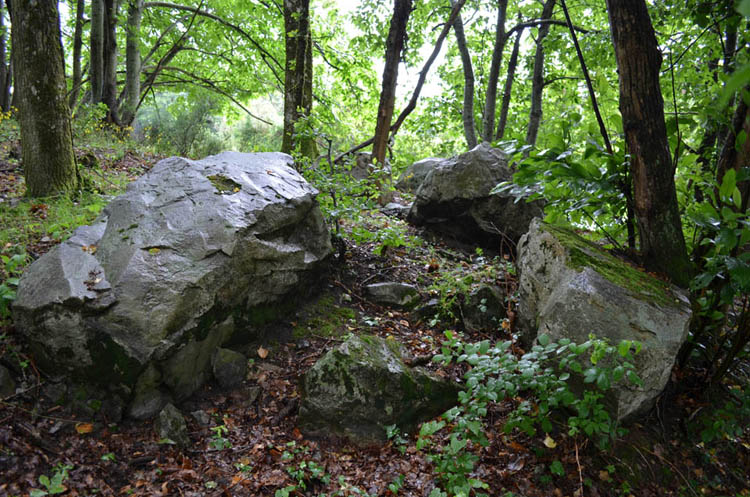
(543, 340)
(556, 468)
(744, 8)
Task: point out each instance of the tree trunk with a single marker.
(77, 48)
(109, 89)
(297, 30)
(96, 57)
(4, 68)
(44, 116)
(490, 102)
(467, 112)
(132, 61)
(537, 78)
(507, 89)
(642, 108)
(393, 47)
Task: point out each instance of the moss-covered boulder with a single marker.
(454, 199)
(363, 385)
(572, 288)
(195, 254)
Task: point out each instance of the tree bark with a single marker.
(297, 46)
(4, 68)
(394, 46)
(507, 89)
(96, 56)
(77, 49)
(109, 56)
(490, 101)
(467, 112)
(132, 61)
(44, 116)
(642, 108)
(537, 78)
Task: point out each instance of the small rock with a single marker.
(55, 392)
(7, 384)
(252, 396)
(392, 293)
(396, 210)
(484, 309)
(229, 367)
(428, 310)
(171, 424)
(202, 417)
(147, 404)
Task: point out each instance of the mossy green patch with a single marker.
(582, 253)
(324, 318)
(223, 184)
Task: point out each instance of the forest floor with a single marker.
(252, 446)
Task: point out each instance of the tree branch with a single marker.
(265, 55)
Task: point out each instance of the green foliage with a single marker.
(728, 421)
(580, 187)
(53, 485)
(219, 440)
(547, 376)
(184, 124)
(12, 269)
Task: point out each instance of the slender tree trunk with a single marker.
(467, 113)
(297, 29)
(507, 89)
(44, 116)
(642, 108)
(77, 49)
(490, 101)
(132, 61)
(4, 68)
(109, 90)
(96, 57)
(537, 78)
(308, 145)
(394, 46)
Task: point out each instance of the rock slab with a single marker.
(195, 253)
(363, 385)
(571, 288)
(454, 198)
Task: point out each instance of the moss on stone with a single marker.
(583, 253)
(324, 318)
(223, 184)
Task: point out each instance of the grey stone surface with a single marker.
(393, 293)
(229, 367)
(571, 288)
(454, 198)
(483, 308)
(363, 385)
(193, 254)
(396, 210)
(7, 384)
(414, 175)
(171, 425)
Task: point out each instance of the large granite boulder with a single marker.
(454, 198)
(571, 288)
(363, 385)
(414, 175)
(194, 254)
